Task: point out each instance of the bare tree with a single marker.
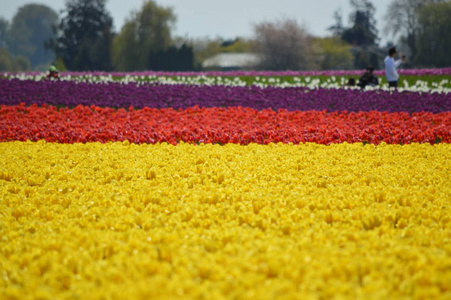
(284, 45)
(402, 21)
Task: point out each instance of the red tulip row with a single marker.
(219, 125)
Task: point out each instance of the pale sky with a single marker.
(226, 18)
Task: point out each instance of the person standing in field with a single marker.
(390, 67)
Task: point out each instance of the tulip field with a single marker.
(241, 185)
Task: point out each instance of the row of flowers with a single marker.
(219, 125)
(125, 221)
(109, 220)
(139, 95)
(427, 84)
(413, 72)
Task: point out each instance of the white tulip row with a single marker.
(259, 81)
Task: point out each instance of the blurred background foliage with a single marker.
(82, 38)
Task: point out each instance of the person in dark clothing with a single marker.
(351, 82)
(368, 79)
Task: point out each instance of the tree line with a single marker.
(82, 38)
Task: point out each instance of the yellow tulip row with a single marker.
(126, 221)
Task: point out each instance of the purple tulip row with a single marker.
(68, 93)
(406, 72)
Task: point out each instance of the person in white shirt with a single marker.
(390, 67)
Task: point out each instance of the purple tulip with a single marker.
(69, 93)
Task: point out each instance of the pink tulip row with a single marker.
(407, 72)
